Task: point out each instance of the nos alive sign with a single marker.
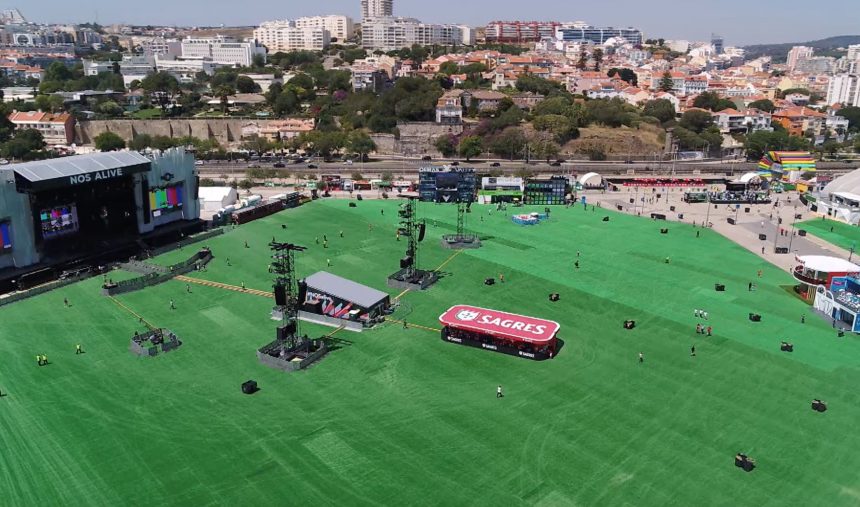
(106, 174)
(500, 324)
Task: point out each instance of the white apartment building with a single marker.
(338, 27)
(159, 46)
(390, 34)
(283, 36)
(184, 70)
(376, 9)
(798, 53)
(223, 50)
(844, 89)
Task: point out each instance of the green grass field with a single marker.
(843, 235)
(399, 417)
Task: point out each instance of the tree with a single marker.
(445, 145)
(140, 142)
(625, 75)
(852, 114)
(108, 141)
(223, 92)
(763, 105)
(244, 84)
(258, 61)
(302, 80)
(449, 68)
(712, 102)
(23, 144)
(831, 148)
(666, 84)
(470, 146)
(597, 56)
(661, 109)
(583, 59)
(508, 143)
(161, 87)
(757, 143)
(257, 144)
(361, 143)
(247, 184)
(696, 121)
(110, 108)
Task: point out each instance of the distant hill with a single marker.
(823, 47)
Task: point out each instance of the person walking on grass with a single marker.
(78, 349)
(66, 302)
(405, 325)
(499, 392)
(709, 330)
(328, 262)
(693, 351)
(641, 358)
(172, 305)
(502, 277)
(698, 329)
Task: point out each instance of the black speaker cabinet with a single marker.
(664, 231)
(353, 205)
(359, 197)
(719, 287)
(762, 237)
(280, 295)
(731, 220)
(755, 317)
(801, 232)
(489, 281)
(250, 387)
(671, 208)
(605, 219)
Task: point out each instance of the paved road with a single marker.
(761, 219)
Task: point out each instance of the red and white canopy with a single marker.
(500, 324)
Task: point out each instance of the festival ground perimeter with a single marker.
(396, 416)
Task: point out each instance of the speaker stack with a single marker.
(280, 295)
(786, 347)
(719, 287)
(250, 387)
(553, 297)
(819, 406)
(605, 219)
(745, 462)
(664, 231)
(629, 324)
(755, 317)
(353, 205)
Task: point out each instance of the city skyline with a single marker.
(741, 23)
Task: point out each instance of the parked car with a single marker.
(426, 157)
(556, 164)
(279, 165)
(253, 166)
(198, 162)
(455, 163)
(495, 164)
(312, 166)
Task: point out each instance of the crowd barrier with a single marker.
(125, 286)
(189, 240)
(41, 289)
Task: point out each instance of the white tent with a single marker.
(591, 180)
(215, 198)
(752, 178)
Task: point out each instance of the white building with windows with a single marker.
(376, 9)
(339, 27)
(844, 89)
(284, 36)
(391, 34)
(223, 50)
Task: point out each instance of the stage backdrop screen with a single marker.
(59, 221)
(447, 181)
(166, 199)
(5, 236)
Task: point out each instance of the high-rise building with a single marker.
(371, 9)
(339, 27)
(718, 43)
(853, 52)
(798, 53)
(844, 89)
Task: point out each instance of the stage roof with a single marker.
(500, 324)
(59, 172)
(342, 288)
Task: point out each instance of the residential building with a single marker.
(286, 129)
(836, 125)
(844, 89)
(485, 100)
(518, 32)
(161, 46)
(390, 34)
(449, 108)
(55, 128)
(815, 65)
(284, 36)
(371, 9)
(338, 27)
(14, 70)
(223, 50)
(580, 32)
(798, 53)
(800, 121)
(718, 43)
(367, 77)
(184, 70)
(732, 121)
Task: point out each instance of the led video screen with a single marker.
(59, 221)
